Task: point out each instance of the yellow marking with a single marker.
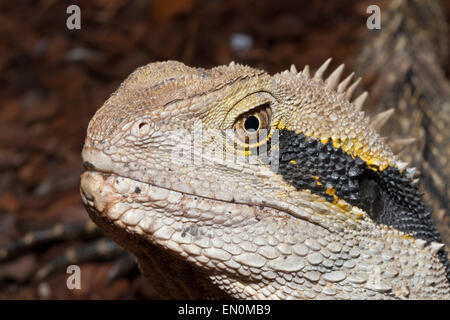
(407, 235)
(351, 146)
(317, 180)
(343, 205)
(336, 142)
(247, 152)
(354, 148)
(332, 191)
(360, 214)
(375, 165)
(293, 162)
(347, 208)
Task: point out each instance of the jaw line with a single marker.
(283, 209)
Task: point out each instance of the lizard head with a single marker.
(231, 181)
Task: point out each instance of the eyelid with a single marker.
(244, 105)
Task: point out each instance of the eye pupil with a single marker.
(251, 124)
(253, 127)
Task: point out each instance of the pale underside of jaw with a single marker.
(143, 207)
(259, 243)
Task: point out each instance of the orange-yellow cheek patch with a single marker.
(355, 148)
(317, 180)
(332, 192)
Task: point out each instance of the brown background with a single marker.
(53, 79)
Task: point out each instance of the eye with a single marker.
(253, 126)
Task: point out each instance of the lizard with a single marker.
(374, 59)
(296, 196)
(327, 212)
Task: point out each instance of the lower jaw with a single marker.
(130, 204)
(109, 196)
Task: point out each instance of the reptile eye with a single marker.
(253, 126)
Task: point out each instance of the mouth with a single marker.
(144, 208)
(115, 195)
(187, 224)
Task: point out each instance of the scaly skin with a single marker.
(223, 221)
(403, 63)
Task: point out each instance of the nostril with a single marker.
(144, 128)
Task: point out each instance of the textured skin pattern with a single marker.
(403, 67)
(388, 196)
(253, 252)
(225, 223)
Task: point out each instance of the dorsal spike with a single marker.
(333, 79)
(351, 89)
(420, 243)
(380, 119)
(322, 69)
(401, 165)
(359, 101)
(293, 69)
(412, 172)
(344, 83)
(436, 246)
(305, 71)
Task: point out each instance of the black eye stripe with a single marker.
(309, 164)
(328, 171)
(388, 196)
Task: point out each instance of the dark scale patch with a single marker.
(325, 170)
(388, 197)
